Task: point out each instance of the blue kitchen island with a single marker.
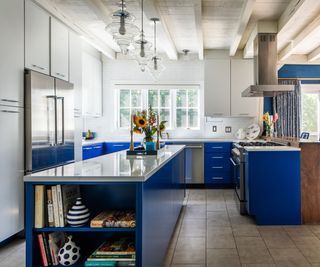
(152, 186)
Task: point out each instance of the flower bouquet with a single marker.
(148, 122)
(269, 121)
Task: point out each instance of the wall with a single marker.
(123, 71)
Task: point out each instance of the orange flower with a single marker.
(140, 122)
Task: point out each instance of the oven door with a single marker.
(236, 174)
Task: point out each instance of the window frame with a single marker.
(144, 92)
(311, 89)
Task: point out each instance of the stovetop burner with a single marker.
(259, 144)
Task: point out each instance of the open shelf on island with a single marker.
(83, 229)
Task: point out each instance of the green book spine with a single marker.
(100, 263)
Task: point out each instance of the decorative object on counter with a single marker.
(241, 134)
(253, 131)
(131, 148)
(269, 121)
(69, 254)
(122, 28)
(78, 215)
(114, 219)
(148, 122)
(89, 135)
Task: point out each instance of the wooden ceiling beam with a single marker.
(309, 30)
(151, 11)
(242, 25)
(314, 55)
(198, 22)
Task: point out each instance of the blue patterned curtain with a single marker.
(288, 107)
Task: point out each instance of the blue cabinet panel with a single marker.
(118, 146)
(273, 187)
(217, 147)
(92, 151)
(217, 165)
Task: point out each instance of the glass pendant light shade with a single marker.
(155, 66)
(122, 28)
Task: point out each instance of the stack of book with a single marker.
(118, 252)
(114, 219)
(49, 247)
(52, 204)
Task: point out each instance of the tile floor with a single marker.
(210, 232)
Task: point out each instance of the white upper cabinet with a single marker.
(37, 30)
(242, 76)
(217, 87)
(11, 52)
(91, 85)
(59, 50)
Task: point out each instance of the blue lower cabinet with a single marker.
(92, 151)
(217, 165)
(272, 187)
(119, 146)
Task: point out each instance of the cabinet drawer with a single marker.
(217, 158)
(92, 151)
(217, 147)
(217, 179)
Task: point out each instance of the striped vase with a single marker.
(78, 215)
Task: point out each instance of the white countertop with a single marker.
(174, 140)
(270, 148)
(115, 167)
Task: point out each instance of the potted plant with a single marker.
(147, 122)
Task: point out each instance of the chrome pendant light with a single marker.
(122, 28)
(155, 66)
(142, 48)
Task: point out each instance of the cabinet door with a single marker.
(217, 87)
(242, 78)
(59, 50)
(11, 52)
(11, 171)
(75, 77)
(92, 86)
(37, 28)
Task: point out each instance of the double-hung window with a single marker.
(180, 107)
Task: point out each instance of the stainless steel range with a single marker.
(238, 157)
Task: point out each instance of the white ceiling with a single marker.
(219, 21)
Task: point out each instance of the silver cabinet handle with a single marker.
(38, 67)
(60, 74)
(217, 167)
(217, 178)
(243, 114)
(233, 163)
(87, 148)
(217, 147)
(118, 145)
(9, 100)
(194, 147)
(217, 157)
(97, 147)
(9, 111)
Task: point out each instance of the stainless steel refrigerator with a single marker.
(49, 122)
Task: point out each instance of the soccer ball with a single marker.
(69, 254)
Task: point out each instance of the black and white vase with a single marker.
(78, 215)
(69, 254)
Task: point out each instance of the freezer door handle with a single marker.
(60, 121)
(51, 120)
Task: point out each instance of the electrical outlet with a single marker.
(214, 128)
(228, 129)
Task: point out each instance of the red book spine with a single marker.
(42, 250)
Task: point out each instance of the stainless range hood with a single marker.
(265, 68)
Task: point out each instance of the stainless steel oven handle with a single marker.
(233, 163)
